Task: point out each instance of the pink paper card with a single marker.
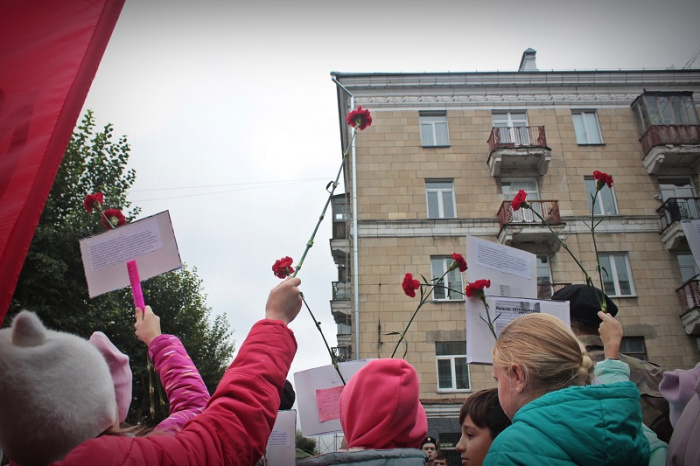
(328, 402)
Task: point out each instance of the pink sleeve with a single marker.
(184, 387)
(233, 429)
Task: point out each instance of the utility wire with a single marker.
(692, 59)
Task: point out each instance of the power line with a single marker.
(692, 59)
(227, 184)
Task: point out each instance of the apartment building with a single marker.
(445, 154)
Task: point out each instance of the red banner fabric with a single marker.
(49, 53)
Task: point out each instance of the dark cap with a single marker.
(288, 396)
(583, 304)
(429, 440)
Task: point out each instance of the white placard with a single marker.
(281, 446)
(150, 241)
(692, 233)
(502, 311)
(318, 390)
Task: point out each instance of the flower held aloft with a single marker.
(282, 268)
(458, 262)
(410, 285)
(113, 218)
(359, 118)
(602, 179)
(519, 200)
(93, 201)
(476, 288)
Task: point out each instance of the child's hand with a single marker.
(147, 325)
(611, 333)
(284, 301)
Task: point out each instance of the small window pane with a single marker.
(461, 373)
(444, 373)
(450, 348)
(434, 130)
(433, 205)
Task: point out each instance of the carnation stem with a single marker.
(334, 360)
(333, 185)
(489, 322)
(601, 298)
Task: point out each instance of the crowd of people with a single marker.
(564, 397)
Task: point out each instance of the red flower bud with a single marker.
(519, 200)
(359, 118)
(410, 285)
(477, 288)
(283, 267)
(93, 201)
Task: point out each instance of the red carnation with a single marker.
(602, 179)
(458, 261)
(519, 200)
(115, 217)
(477, 288)
(93, 201)
(410, 285)
(283, 267)
(359, 117)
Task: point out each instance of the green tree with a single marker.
(305, 444)
(52, 282)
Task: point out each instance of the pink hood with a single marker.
(380, 407)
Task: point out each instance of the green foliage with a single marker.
(52, 282)
(307, 445)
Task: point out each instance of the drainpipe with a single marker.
(355, 268)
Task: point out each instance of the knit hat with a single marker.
(678, 387)
(583, 305)
(380, 407)
(118, 363)
(55, 392)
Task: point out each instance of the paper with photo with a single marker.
(281, 446)
(149, 241)
(502, 311)
(318, 391)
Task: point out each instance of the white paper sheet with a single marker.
(281, 446)
(317, 390)
(150, 241)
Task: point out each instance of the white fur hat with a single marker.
(56, 391)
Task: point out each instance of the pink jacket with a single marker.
(184, 387)
(235, 425)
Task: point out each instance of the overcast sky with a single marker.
(232, 115)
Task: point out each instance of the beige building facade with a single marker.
(445, 154)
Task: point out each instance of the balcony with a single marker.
(340, 305)
(340, 243)
(671, 213)
(546, 290)
(523, 226)
(689, 297)
(521, 150)
(673, 146)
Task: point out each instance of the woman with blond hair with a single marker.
(544, 377)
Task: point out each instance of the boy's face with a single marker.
(474, 443)
(440, 462)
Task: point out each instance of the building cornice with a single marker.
(489, 227)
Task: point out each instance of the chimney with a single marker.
(527, 63)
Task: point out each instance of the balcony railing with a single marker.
(659, 135)
(546, 290)
(689, 294)
(341, 291)
(676, 209)
(519, 136)
(547, 209)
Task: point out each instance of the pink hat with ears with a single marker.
(678, 387)
(118, 363)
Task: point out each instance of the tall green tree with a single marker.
(52, 282)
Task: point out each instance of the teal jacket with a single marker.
(593, 425)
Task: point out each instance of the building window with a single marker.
(450, 288)
(441, 198)
(433, 129)
(634, 347)
(452, 368)
(664, 108)
(586, 127)
(617, 276)
(605, 203)
(513, 127)
(544, 277)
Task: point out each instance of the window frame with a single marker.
(445, 262)
(440, 198)
(590, 185)
(428, 120)
(585, 138)
(452, 358)
(626, 343)
(613, 272)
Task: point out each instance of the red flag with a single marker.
(49, 53)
